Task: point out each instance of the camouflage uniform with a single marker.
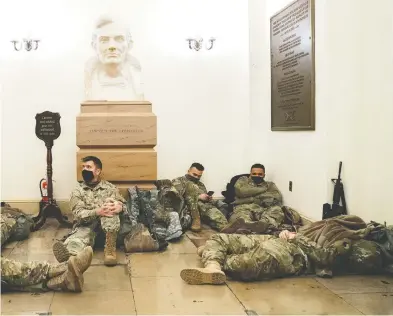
(8, 225)
(258, 257)
(260, 203)
(28, 276)
(209, 211)
(43, 276)
(369, 252)
(83, 203)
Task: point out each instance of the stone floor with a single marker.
(150, 284)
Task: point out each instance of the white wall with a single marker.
(201, 98)
(354, 75)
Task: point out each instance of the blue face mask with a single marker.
(257, 180)
(87, 175)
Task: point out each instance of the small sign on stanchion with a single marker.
(48, 129)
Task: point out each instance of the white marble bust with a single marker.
(113, 74)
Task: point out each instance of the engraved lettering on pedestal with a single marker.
(129, 131)
(292, 68)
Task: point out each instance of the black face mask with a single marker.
(87, 175)
(257, 180)
(191, 178)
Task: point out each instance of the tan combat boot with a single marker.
(110, 249)
(200, 250)
(57, 269)
(69, 276)
(196, 221)
(211, 274)
(60, 251)
(71, 280)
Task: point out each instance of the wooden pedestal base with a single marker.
(49, 210)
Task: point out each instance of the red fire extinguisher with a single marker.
(44, 190)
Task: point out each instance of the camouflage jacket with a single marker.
(8, 225)
(190, 191)
(265, 194)
(85, 200)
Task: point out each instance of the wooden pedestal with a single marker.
(123, 135)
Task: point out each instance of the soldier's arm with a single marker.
(179, 185)
(271, 197)
(119, 198)
(243, 189)
(78, 208)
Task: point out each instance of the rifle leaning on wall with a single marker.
(336, 209)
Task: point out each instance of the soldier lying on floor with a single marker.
(22, 223)
(40, 276)
(259, 257)
(344, 244)
(258, 204)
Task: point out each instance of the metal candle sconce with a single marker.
(28, 44)
(196, 43)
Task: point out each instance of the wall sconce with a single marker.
(196, 43)
(18, 45)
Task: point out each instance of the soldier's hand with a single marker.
(116, 207)
(104, 211)
(286, 234)
(204, 197)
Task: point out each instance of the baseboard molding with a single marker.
(32, 207)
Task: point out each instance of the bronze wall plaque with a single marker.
(293, 67)
(47, 126)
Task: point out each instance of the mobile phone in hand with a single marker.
(210, 193)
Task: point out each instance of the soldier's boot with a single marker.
(70, 280)
(60, 251)
(200, 250)
(196, 221)
(84, 258)
(83, 261)
(57, 269)
(211, 274)
(243, 226)
(110, 258)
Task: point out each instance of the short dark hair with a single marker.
(198, 166)
(94, 159)
(258, 165)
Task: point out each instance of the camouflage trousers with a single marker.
(8, 225)
(259, 257)
(83, 236)
(28, 276)
(212, 216)
(273, 215)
